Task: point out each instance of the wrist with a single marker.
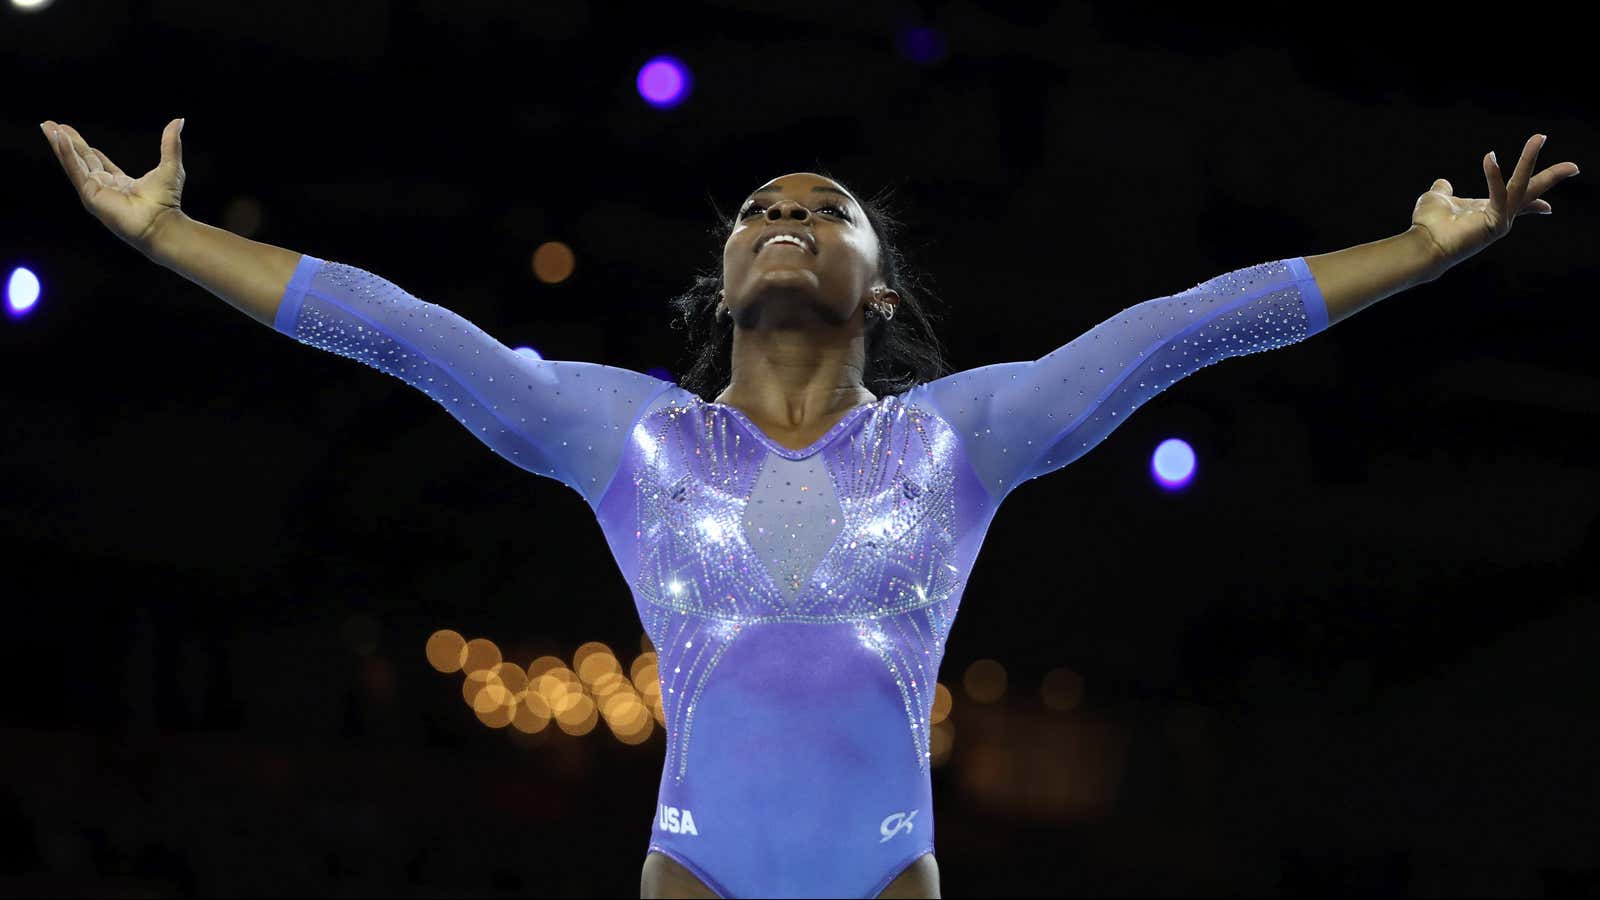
(1432, 260)
(165, 231)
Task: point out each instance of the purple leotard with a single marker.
(799, 599)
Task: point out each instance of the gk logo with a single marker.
(894, 823)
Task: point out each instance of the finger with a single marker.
(1547, 179)
(77, 172)
(92, 160)
(1517, 187)
(74, 145)
(53, 132)
(94, 172)
(1497, 188)
(172, 145)
(105, 163)
(1539, 206)
(1443, 187)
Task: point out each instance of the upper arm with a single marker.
(564, 420)
(1021, 420)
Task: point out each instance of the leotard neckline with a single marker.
(814, 446)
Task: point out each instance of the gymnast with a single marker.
(796, 521)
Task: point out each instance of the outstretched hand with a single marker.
(1462, 226)
(131, 208)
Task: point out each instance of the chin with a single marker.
(791, 308)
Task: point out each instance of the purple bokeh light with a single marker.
(528, 352)
(22, 291)
(1173, 463)
(658, 372)
(664, 81)
(923, 45)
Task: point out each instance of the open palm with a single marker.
(129, 207)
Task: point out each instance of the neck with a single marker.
(797, 378)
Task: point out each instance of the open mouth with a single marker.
(787, 240)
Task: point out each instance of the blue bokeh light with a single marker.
(22, 291)
(664, 81)
(1173, 463)
(528, 352)
(658, 372)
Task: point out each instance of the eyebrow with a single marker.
(822, 189)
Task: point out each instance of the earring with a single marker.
(879, 307)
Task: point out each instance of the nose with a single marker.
(790, 208)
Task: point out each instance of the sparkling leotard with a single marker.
(799, 599)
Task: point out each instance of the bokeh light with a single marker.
(553, 262)
(31, 5)
(942, 701)
(447, 650)
(664, 375)
(532, 713)
(941, 740)
(542, 665)
(481, 654)
(512, 678)
(592, 660)
(22, 291)
(528, 352)
(921, 44)
(476, 684)
(596, 688)
(1173, 463)
(1062, 689)
(664, 82)
(579, 717)
(985, 681)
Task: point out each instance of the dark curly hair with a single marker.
(901, 353)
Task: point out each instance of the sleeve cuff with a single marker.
(1310, 294)
(294, 294)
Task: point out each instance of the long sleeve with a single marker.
(1020, 420)
(564, 420)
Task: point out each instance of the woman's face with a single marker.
(776, 284)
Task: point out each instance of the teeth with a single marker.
(788, 239)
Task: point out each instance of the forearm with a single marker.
(1357, 277)
(249, 275)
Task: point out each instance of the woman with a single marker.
(796, 547)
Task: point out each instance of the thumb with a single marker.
(172, 145)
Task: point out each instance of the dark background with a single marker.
(1357, 655)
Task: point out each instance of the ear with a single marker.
(890, 297)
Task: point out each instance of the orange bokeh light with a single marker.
(481, 654)
(942, 701)
(446, 650)
(1062, 689)
(985, 681)
(553, 262)
(578, 718)
(531, 713)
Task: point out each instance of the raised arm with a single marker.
(563, 420)
(1021, 420)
